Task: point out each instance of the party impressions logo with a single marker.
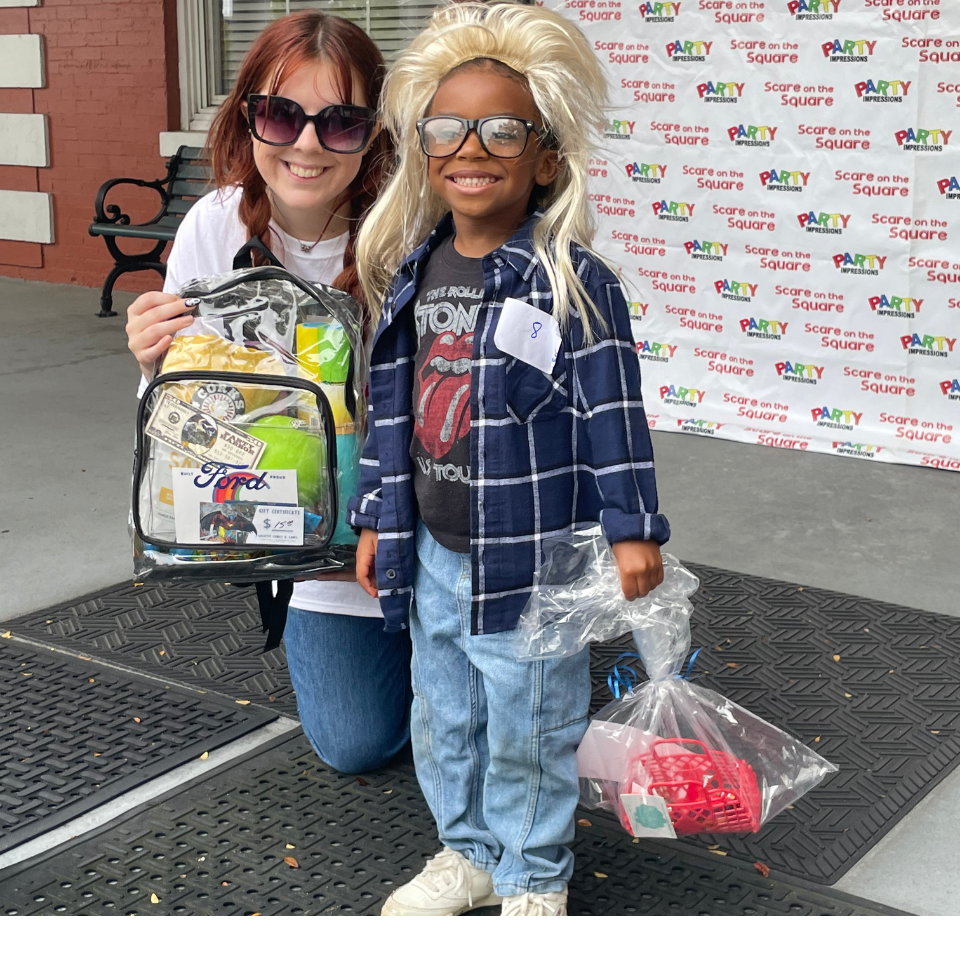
(706, 427)
(619, 129)
(672, 210)
(949, 188)
(792, 181)
(824, 222)
(747, 135)
(848, 51)
(685, 50)
(926, 345)
(950, 388)
(646, 172)
(682, 396)
(637, 310)
(764, 329)
(653, 12)
(882, 91)
(720, 92)
(799, 372)
(905, 307)
(658, 352)
(706, 249)
(846, 448)
(736, 290)
(863, 264)
(835, 419)
(813, 9)
(924, 141)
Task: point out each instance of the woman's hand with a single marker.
(152, 320)
(640, 565)
(367, 561)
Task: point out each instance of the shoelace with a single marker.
(446, 866)
(528, 905)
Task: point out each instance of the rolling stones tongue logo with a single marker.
(443, 413)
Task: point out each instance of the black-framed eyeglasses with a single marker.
(278, 121)
(500, 136)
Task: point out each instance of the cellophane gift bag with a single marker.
(668, 757)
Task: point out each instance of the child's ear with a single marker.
(548, 168)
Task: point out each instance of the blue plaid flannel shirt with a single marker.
(548, 454)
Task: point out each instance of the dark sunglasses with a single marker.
(341, 127)
(504, 137)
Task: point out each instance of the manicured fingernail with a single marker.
(192, 302)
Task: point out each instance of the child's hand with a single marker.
(640, 565)
(367, 561)
(152, 320)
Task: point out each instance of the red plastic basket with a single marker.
(706, 791)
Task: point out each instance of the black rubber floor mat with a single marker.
(874, 687)
(208, 636)
(282, 834)
(75, 734)
(871, 686)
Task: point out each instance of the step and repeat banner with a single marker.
(780, 188)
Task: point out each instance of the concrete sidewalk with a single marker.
(67, 405)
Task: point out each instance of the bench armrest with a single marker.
(112, 214)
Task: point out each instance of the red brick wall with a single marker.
(111, 71)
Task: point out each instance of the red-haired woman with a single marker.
(298, 170)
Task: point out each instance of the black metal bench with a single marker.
(187, 179)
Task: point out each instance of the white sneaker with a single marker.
(535, 905)
(446, 887)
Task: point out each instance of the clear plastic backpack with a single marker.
(248, 437)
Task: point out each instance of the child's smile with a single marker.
(488, 195)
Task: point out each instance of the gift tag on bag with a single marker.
(528, 334)
(648, 815)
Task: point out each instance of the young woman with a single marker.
(297, 159)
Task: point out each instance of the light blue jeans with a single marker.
(494, 739)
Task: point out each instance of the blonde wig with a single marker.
(569, 89)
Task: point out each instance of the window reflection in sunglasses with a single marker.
(278, 121)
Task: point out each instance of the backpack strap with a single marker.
(244, 257)
(273, 610)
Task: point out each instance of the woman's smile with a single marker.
(302, 172)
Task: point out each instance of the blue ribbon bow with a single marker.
(615, 678)
(618, 676)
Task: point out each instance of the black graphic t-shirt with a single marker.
(445, 311)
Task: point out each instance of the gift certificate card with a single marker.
(528, 334)
(220, 486)
(236, 521)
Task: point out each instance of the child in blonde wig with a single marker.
(568, 86)
(505, 409)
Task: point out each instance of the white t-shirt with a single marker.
(206, 243)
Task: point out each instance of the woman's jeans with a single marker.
(352, 682)
(494, 739)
